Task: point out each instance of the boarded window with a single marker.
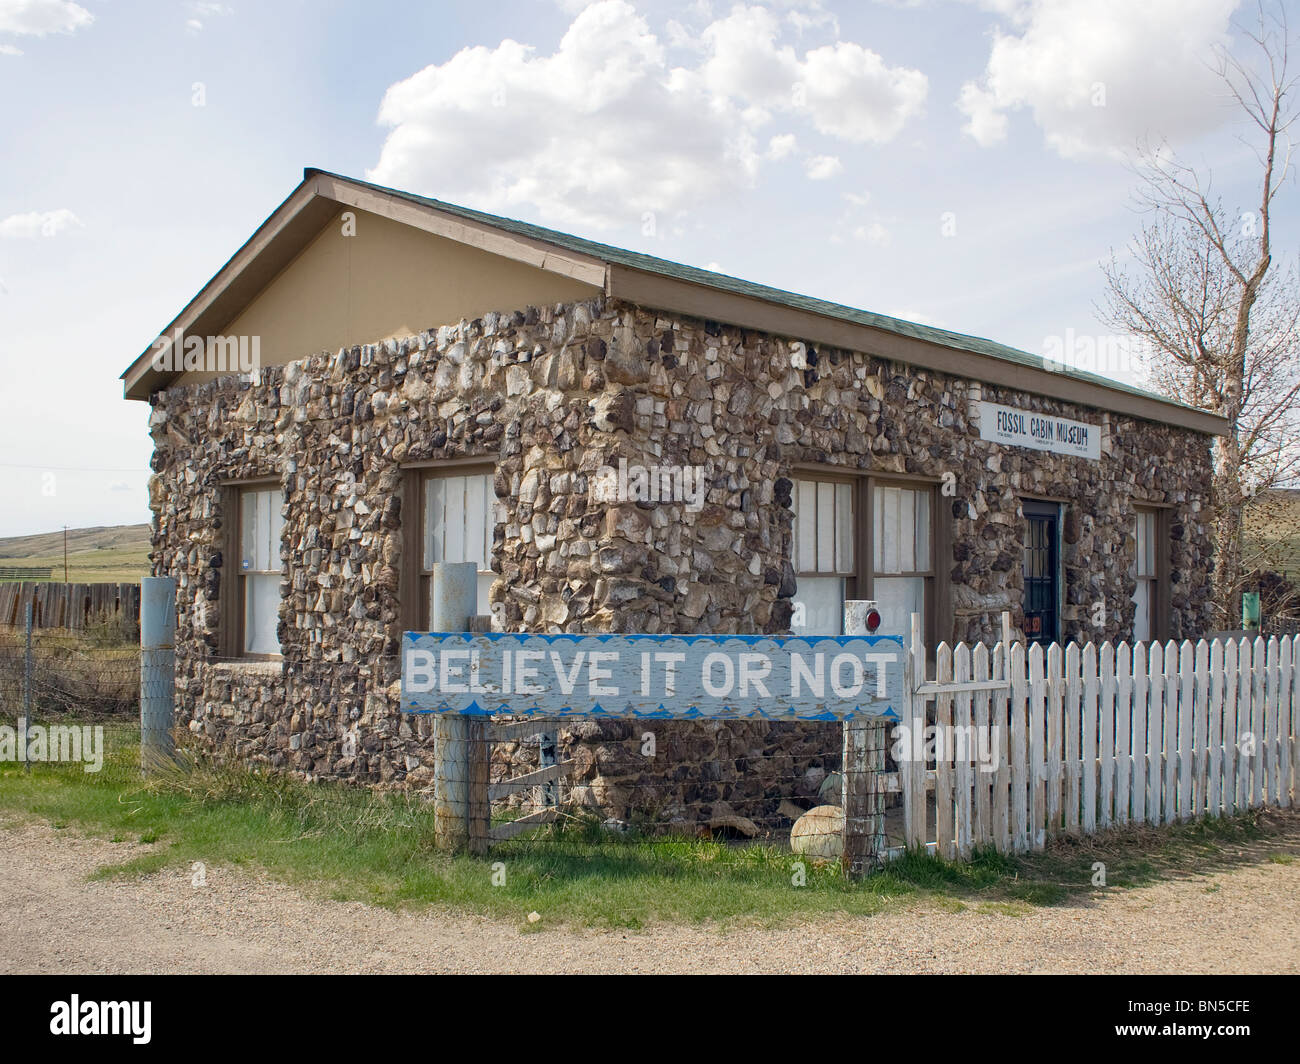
(898, 570)
(902, 554)
(823, 554)
(260, 527)
(1146, 572)
(459, 519)
(823, 528)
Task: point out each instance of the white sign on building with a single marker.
(1014, 427)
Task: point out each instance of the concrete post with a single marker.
(862, 774)
(453, 600)
(157, 671)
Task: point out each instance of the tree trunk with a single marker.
(1227, 496)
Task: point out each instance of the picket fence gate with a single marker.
(1092, 737)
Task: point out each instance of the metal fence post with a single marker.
(157, 671)
(459, 775)
(28, 677)
(862, 774)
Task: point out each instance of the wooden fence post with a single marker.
(459, 778)
(862, 774)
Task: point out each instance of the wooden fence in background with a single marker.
(1090, 737)
(67, 605)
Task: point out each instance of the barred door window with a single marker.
(1041, 571)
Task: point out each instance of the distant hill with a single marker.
(114, 554)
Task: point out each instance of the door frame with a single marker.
(1046, 509)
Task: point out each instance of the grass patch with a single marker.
(352, 844)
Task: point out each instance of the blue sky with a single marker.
(955, 162)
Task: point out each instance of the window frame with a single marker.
(860, 583)
(414, 577)
(233, 588)
(1041, 507)
(1161, 611)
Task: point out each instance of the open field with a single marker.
(117, 554)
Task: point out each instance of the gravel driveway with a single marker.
(1245, 918)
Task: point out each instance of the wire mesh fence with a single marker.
(89, 674)
(773, 783)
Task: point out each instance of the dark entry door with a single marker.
(1042, 588)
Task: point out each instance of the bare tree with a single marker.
(1206, 293)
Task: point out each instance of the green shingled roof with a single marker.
(725, 283)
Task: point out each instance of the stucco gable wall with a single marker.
(385, 280)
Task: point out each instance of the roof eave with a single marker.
(684, 297)
(311, 205)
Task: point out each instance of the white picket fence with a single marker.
(1091, 737)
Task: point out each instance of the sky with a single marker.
(960, 163)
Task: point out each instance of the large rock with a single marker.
(819, 833)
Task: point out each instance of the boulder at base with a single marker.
(819, 833)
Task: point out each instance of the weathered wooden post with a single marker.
(460, 776)
(28, 681)
(862, 773)
(157, 671)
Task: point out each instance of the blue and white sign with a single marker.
(687, 677)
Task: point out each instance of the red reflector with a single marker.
(873, 621)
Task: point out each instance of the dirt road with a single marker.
(1242, 919)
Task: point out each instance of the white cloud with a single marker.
(39, 223)
(918, 318)
(822, 167)
(36, 18)
(845, 90)
(9, 49)
(200, 10)
(985, 122)
(607, 127)
(1099, 75)
(782, 146)
(875, 233)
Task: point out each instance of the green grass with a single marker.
(351, 844)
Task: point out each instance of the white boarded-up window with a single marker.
(459, 520)
(260, 527)
(1146, 572)
(897, 570)
(823, 554)
(823, 527)
(902, 559)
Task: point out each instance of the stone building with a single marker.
(621, 444)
